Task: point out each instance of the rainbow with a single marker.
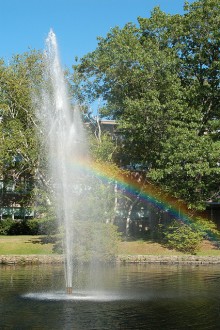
(148, 192)
(134, 185)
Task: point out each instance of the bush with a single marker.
(207, 228)
(182, 237)
(47, 226)
(33, 227)
(23, 227)
(93, 241)
(5, 226)
(28, 227)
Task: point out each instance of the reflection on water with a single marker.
(112, 297)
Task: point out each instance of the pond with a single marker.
(134, 296)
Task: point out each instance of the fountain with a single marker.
(66, 145)
(127, 296)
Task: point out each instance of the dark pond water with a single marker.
(113, 297)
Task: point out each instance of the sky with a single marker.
(24, 24)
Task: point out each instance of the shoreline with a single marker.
(124, 259)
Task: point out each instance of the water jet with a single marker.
(63, 139)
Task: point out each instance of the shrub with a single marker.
(47, 226)
(18, 227)
(33, 226)
(44, 226)
(23, 227)
(93, 241)
(207, 228)
(5, 226)
(182, 237)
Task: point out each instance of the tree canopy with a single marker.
(160, 82)
(158, 79)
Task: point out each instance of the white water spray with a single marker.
(66, 148)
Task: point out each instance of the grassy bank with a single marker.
(153, 248)
(32, 245)
(19, 245)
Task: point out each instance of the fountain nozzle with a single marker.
(69, 290)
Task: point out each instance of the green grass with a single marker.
(27, 245)
(141, 247)
(18, 245)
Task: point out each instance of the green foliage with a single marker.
(47, 226)
(139, 85)
(5, 226)
(160, 81)
(18, 122)
(23, 227)
(207, 228)
(200, 56)
(18, 227)
(44, 226)
(102, 148)
(182, 237)
(188, 166)
(94, 241)
(19, 146)
(187, 237)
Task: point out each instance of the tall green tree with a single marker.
(189, 162)
(200, 55)
(160, 81)
(139, 87)
(18, 143)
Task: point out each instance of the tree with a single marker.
(199, 46)
(160, 81)
(189, 162)
(19, 162)
(195, 38)
(139, 86)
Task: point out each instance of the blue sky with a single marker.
(25, 24)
